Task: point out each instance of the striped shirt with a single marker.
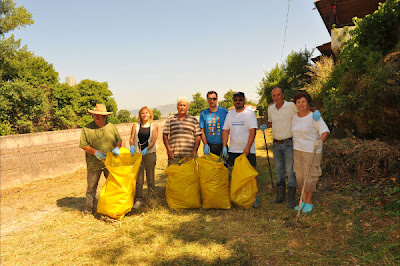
(181, 134)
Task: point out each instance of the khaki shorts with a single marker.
(301, 163)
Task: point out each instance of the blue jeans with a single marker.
(283, 157)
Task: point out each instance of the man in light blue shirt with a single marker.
(211, 123)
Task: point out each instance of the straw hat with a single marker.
(99, 109)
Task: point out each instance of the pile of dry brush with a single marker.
(353, 159)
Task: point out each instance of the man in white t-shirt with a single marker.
(280, 115)
(241, 125)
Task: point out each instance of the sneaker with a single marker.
(257, 204)
(302, 206)
(138, 204)
(307, 208)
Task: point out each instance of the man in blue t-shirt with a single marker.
(211, 123)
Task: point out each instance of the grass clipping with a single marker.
(360, 160)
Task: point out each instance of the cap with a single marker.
(238, 94)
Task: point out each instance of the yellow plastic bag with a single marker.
(243, 183)
(117, 195)
(214, 182)
(183, 186)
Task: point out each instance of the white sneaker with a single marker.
(138, 204)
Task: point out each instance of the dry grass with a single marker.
(42, 223)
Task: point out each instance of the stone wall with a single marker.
(28, 157)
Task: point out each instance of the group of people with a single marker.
(296, 131)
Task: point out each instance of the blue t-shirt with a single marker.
(213, 122)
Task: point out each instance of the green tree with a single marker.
(124, 116)
(65, 106)
(228, 100)
(197, 105)
(156, 114)
(23, 106)
(92, 92)
(12, 17)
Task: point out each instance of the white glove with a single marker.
(318, 143)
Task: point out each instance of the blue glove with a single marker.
(132, 149)
(115, 151)
(100, 155)
(316, 115)
(225, 152)
(263, 127)
(145, 151)
(206, 149)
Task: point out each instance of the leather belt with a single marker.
(280, 141)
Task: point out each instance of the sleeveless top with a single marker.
(136, 140)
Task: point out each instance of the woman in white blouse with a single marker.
(307, 134)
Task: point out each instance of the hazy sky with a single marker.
(151, 52)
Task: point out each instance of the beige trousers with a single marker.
(301, 163)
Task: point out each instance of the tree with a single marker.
(228, 99)
(23, 106)
(156, 114)
(92, 92)
(124, 116)
(197, 105)
(12, 17)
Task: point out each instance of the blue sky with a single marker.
(152, 52)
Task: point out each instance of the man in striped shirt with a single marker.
(181, 133)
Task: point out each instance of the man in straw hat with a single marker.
(98, 138)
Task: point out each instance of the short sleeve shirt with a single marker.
(182, 134)
(239, 125)
(282, 119)
(212, 122)
(102, 139)
(306, 131)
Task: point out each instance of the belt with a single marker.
(280, 141)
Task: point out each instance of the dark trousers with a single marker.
(93, 178)
(215, 148)
(232, 156)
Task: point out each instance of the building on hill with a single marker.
(339, 14)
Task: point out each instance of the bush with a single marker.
(353, 159)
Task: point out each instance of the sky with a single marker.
(154, 51)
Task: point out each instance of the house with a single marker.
(339, 14)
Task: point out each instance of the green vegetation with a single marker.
(31, 97)
(290, 76)
(197, 105)
(156, 114)
(360, 94)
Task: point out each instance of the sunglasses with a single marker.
(238, 100)
(212, 99)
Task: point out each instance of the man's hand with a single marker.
(318, 143)
(116, 151)
(316, 115)
(246, 151)
(263, 127)
(225, 152)
(145, 151)
(170, 153)
(132, 150)
(100, 155)
(206, 149)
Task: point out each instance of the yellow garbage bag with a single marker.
(183, 187)
(214, 182)
(117, 195)
(243, 183)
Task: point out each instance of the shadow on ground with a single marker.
(76, 203)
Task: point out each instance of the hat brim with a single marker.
(98, 112)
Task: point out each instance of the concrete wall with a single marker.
(28, 157)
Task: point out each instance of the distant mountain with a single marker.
(165, 110)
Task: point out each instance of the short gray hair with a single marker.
(181, 99)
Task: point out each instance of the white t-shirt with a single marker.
(282, 119)
(306, 131)
(239, 125)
